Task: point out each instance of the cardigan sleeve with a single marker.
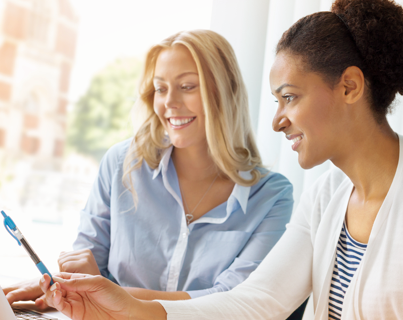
(277, 287)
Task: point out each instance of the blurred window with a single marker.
(30, 144)
(31, 105)
(39, 21)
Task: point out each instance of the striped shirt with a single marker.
(348, 257)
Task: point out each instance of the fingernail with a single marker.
(54, 294)
(53, 288)
(57, 279)
(42, 279)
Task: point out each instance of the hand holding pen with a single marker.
(18, 236)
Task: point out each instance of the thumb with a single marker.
(87, 283)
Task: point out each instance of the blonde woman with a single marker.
(184, 209)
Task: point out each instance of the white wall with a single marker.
(244, 24)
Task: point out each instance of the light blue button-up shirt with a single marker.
(153, 247)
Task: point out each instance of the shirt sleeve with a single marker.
(263, 239)
(94, 227)
(278, 286)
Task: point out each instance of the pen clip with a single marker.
(10, 226)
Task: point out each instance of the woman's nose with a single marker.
(172, 100)
(280, 121)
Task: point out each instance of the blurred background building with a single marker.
(37, 50)
(37, 47)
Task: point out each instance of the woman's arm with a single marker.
(85, 297)
(94, 227)
(146, 294)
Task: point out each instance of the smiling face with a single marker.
(309, 111)
(177, 98)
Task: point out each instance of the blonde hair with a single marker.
(230, 138)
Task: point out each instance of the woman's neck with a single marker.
(193, 163)
(370, 159)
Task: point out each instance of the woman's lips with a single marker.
(180, 123)
(297, 142)
(296, 139)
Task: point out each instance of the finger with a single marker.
(80, 275)
(65, 275)
(23, 294)
(59, 280)
(17, 295)
(59, 302)
(86, 283)
(62, 262)
(9, 289)
(71, 266)
(40, 303)
(48, 298)
(44, 283)
(72, 253)
(76, 256)
(49, 293)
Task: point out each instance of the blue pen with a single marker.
(17, 235)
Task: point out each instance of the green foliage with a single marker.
(101, 117)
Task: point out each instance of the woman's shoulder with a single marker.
(328, 182)
(116, 154)
(320, 193)
(272, 181)
(272, 177)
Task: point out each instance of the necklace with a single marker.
(189, 216)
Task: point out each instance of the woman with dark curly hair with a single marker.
(335, 76)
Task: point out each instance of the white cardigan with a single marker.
(302, 262)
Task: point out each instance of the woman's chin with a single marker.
(309, 163)
(181, 144)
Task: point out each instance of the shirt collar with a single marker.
(163, 166)
(241, 193)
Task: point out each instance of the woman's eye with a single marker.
(159, 90)
(187, 87)
(289, 98)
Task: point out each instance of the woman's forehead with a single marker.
(290, 69)
(177, 56)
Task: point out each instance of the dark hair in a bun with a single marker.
(367, 34)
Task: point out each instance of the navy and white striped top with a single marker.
(348, 257)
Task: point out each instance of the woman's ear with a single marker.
(353, 82)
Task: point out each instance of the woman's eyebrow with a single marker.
(285, 85)
(179, 76)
